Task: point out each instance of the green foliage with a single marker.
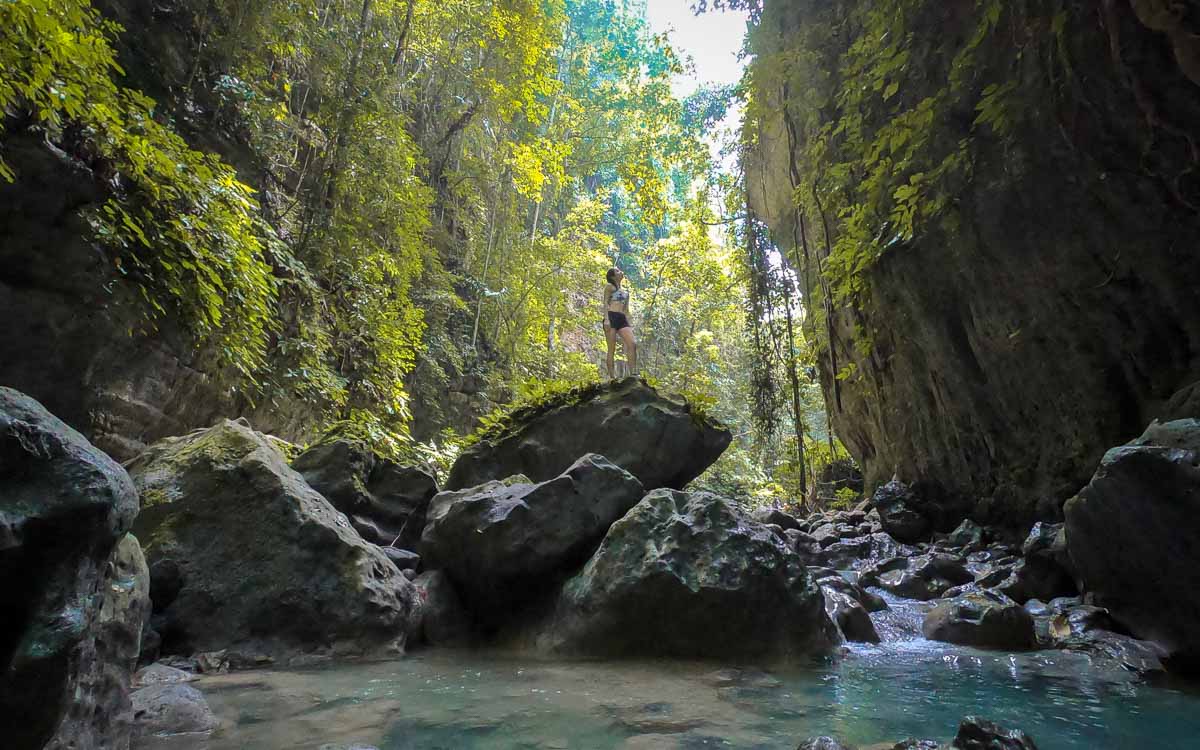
(181, 225)
(376, 436)
(440, 190)
(536, 396)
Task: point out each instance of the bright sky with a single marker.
(712, 39)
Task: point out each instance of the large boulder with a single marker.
(245, 555)
(851, 618)
(691, 575)
(72, 585)
(1132, 532)
(503, 543)
(661, 440)
(981, 618)
(897, 505)
(384, 500)
(171, 708)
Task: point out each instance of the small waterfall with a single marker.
(900, 624)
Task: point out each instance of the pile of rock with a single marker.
(974, 733)
(987, 589)
(249, 560)
(586, 562)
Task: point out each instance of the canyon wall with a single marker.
(1062, 310)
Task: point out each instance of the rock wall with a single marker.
(1007, 356)
(71, 340)
(74, 587)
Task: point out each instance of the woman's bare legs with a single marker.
(611, 336)
(630, 349)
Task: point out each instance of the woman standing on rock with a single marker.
(616, 321)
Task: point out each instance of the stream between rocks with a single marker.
(905, 687)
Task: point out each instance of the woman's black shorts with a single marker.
(617, 320)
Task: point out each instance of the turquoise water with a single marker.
(470, 700)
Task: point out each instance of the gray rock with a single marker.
(775, 516)
(659, 439)
(851, 617)
(1038, 608)
(441, 616)
(844, 553)
(829, 578)
(992, 577)
(982, 618)
(1131, 534)
(385, 500)
(883, 545)
(1142, 657)
(171, 708)
(1044, 572)
(897, 504)
(73, 584)
(967, 534)
(869, 575)
(979, 734)
(505, 544)
(690, 575)
(403, 558)
(1081, 619)
(245, 555)
(158, 673)
(924, 577)
(1036, 579)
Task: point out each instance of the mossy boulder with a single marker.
(691, 575)
(385, 501)
(72, 584)
(504, 543)
(245, 555)
(662, 440)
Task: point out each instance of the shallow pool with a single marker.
(468, 700)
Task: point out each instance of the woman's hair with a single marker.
(611, 276)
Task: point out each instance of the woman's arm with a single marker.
(608, 292)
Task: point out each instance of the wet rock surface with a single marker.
(986, 619)
(975, 733)
(72, 584)
(245, 555)
(682, 572)
(968, 577)
(659, 439)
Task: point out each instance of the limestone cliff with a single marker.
(999, 358)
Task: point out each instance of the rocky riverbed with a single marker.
(281, 615)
